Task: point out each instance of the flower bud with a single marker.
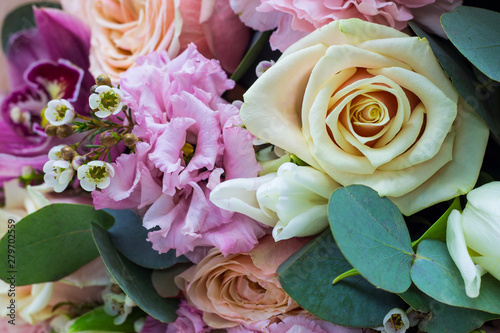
(67, 153)
(78, 161)
(103, 80)
(51, 130)
(130, 139)
(93, 88)
(108, 139)
(64, 131)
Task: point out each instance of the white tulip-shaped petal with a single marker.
(396, 321)
(239, 195)
(457, 247)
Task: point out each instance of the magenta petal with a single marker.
(60, 79)
(151, 325)
(25, 48)
(65, 36)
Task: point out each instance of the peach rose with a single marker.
(123, 30)
(369, 105)
(240, 288)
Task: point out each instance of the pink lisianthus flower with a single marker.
(296, 19)
(191, 141)
(308, 324)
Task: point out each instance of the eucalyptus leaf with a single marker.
(372, 234)
(445, 318)
(435, 273)
(480, 94)
(99, 320)
(52, 243)
(307, 277)
(261, 39)
(476, 34)
(20, 19)
(438, 229)
(129, 238)
(133, 279)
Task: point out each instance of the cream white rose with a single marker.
(293, 200)
(473, 237)
(370, 105)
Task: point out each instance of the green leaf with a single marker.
(133, 279)
(98, 320)
(251, 55)
(438, 229)
(129, 237)
(484, 98)
(445, 318)
(307, 277)
(435, 273)
(52, 243)
(372, 234)
(20, 19)
(476, 34)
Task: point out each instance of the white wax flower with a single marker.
(293, 200)
(95, 174)
(106, 100)
(396, 321)
(55, 153)
(263, 66)
(58, 174)
(59, 112)
(473, 237)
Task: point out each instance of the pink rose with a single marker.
(241, 288)
(123, 30)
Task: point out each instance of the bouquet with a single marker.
(250, 166)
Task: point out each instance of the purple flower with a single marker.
(45, 63)
(192, 140)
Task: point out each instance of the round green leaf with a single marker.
(133, 279)
(476, 33)
(307, 277)
(129, 237)
(372, 234)
(51, 243)
(445, 318)
(99, 320)
(435, 273)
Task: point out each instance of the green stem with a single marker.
(351, 272)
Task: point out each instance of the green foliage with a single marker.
(307, 277)
(435, 273)
(372, 234)
(251, 55)
(438, 229)
(98, 320)
(473, 87)
(51, 243)
(129, 237)
(476, 34)
(133, 279)
(445, 318)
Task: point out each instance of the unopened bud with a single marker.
(93, 88)
(78, 161)
(130, 139)
(67, 153)
(51, 130)
(103, 80)
(64, 131)
(108, 139)
(115, 289)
